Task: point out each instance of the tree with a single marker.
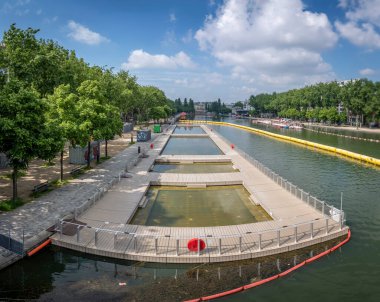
(21, 126)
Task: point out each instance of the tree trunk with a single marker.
(106, 149)
(14, 182)
(88, 154)
(98, 154)
(62, 165)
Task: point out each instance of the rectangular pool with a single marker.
(188, 130)
(211, 206)
(191, 146)
(193, 168)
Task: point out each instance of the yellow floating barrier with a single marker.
(357, 156)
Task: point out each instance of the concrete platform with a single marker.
(296, 223)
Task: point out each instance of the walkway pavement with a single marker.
(295, 223)
(42, 213)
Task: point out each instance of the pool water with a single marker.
(188, 130)
(204, 207)
(193, 168)
(191, 146)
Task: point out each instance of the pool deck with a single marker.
(295, 224)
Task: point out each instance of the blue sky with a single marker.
(206, 49)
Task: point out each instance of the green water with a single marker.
(349, 274)
(188, 130)
(193, 168)
(361, 147)
(211, 206)
(191, 146)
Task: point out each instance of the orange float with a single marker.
(192, 245)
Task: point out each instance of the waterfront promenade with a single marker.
(299, 220)
(29, 223)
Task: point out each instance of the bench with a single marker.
(76, 171)
(44, 186)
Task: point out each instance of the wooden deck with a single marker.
(295, 223)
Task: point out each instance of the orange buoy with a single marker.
(192, 245)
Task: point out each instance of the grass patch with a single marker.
(9, 205)
(132, 143)
(20, 173)
(57, 183)
(103, 159)
(48, 164)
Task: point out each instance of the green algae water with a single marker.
(193, 168)
(211, 206)
(191, 146)
(352, 273)
(188, 130)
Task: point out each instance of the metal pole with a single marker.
(199, 246)
(177, 247)
(323, 208)
(156, 245)
(96, 237)
(295, 234)
(312, 230)
(78, 235)
(327, 226)
(278, 237)
(114, 239)
(240, 244)
(219, 247)
(259, 242)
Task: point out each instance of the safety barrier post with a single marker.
(308, 198)
(135, 243)
(315, 202)
(259, 242)
(219, 246)
(96, 237)
(177, 247)
(240, 251)
(312, 230)
(78, 233)
(114, 239)
(156, 245)
(278, 237)
(295, 234)
(301, 194)
(327, 226)
(60, 229)
(199, 246)
(323, 208)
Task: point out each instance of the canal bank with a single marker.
(350, 273)
(344, 153)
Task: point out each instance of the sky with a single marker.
(210, 49)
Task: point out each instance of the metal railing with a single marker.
(122, 241)
(323, 207)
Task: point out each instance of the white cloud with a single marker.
(362, 26)
(359, 34)
(172, 18)
(83, 34)
(367, 72)
(274, 42)
(139, 59)
(15, 6)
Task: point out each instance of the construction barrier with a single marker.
(357, 156)
(261, 282)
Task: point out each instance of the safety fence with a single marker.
(119, 239)
(323, 207)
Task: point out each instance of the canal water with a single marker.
(193, 168)
(362, 147)
(191, 146)
(350, 274)
(203, 207)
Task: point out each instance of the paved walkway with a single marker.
(39, 215)
(295, 223)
